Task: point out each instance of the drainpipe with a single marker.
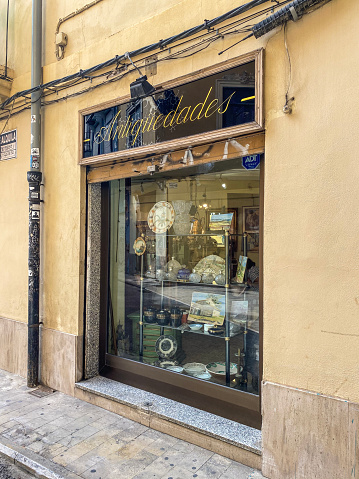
(7, 36)
(34, 177)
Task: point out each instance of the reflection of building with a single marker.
(103, 172)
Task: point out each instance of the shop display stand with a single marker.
(141, 311)
(227, 333)
(245, 332)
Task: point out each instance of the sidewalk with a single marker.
(58, 436)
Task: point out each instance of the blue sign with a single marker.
(251, 162)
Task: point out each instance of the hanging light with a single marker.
(140, 88)
(223, 183)
(204, 205)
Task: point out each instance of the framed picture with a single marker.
(207, 308)
(233, 224)
(251, 219)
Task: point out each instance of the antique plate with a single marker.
(218, 369)
(139, 246)
(195, 326)
(204, 376)
(175, 369)
(166, 346)
(194, 369)
(161, 217)
(211, 264)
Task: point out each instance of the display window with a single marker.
(181, 208)
(183, 282)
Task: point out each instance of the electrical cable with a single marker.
(82, 75)
(208, 24)
(289, 63)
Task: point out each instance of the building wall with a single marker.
(311, 295)
(311, 272)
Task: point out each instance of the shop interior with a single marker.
(183, 261)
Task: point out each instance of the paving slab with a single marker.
(61, 437)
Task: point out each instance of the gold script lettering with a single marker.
(158, 119)
(214, 103)
(199, 104)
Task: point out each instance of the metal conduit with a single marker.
(293, 11)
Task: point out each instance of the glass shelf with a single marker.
(202, 333)
(184, 282)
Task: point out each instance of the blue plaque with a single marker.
(251, 162)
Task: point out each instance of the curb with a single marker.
(34, 463)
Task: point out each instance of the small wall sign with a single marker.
(8, 145)
(251, 162)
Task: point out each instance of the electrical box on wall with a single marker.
(61, 39)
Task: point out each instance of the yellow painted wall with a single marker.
(14, 225)
(311, 246)
(311, 296)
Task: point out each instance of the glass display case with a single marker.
(182, 288)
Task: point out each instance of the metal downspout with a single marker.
(34, 177)
(7, 36)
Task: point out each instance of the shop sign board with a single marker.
(251, 162)
(8, 145)
(221, 100)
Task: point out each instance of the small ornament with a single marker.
(195, 277)
(139, 246)
(220, 279)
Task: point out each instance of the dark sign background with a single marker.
(218, 101)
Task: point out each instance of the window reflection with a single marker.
(218, 101)
(184, 234)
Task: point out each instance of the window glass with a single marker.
(184, 257)
(217, 101)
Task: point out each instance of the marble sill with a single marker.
(203, 422)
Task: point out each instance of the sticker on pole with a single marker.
(251, 162)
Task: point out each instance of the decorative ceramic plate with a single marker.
(194, 369)
(216, 331)
(195, 326)
(218, 369)
(176, 369)
(211, 264)
(161, 217)
(166, 346)
(204, 375)
(165, 363)
(139, 246)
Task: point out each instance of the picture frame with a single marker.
(250, 219)
(233, 227)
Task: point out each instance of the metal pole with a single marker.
(7, 35)
(226, 317)
(245, 331)
(34, 177)
(141, 310)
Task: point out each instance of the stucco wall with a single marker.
(311, 247)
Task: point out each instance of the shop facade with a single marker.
(188, 207)
(152, 204)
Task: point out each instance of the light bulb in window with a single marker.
(224, 186)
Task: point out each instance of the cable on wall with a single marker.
(287, 108)
(161, 44)
(293, 11)
(61, 38)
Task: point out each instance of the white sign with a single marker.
(8, 145)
